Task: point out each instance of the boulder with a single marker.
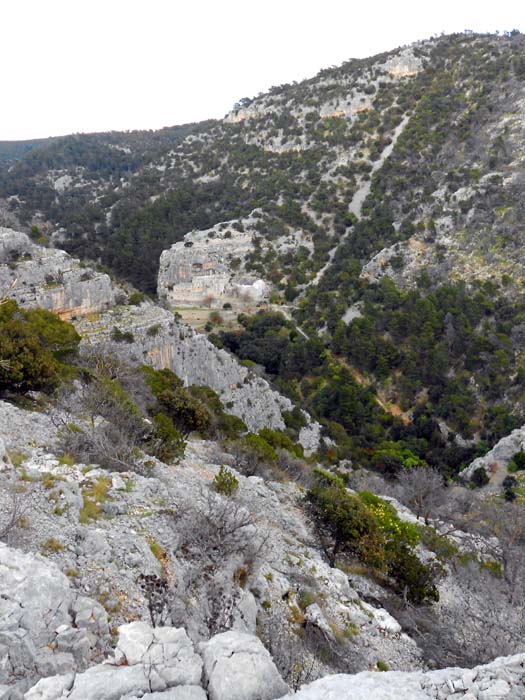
(238, 667)
(147, 662)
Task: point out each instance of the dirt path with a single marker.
(360, 195)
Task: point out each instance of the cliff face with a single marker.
(50, 279)
(162, 342)
(208, 266)
(222, 264)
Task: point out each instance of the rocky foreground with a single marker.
(45, 626)
(75, 622)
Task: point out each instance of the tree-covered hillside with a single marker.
(404, 175)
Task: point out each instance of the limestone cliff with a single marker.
(50, 278)
(209, 266)
(212, 266)
(159, 340)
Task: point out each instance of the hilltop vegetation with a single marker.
(428, 265)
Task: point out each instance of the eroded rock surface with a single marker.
(238, 667)
(50, 278)
(46, 627)
(503, 678)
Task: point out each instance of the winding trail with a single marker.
(360, 196)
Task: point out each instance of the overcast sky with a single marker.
(78, 66)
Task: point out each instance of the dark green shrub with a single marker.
(32, 345)
(225, 482)
(187, 413)
(279, 440)
(122, 336)
(411, 577)
(368, 528)
(136, 298)
(166, 443)
(517, 463)
(480, 477)
(344, 519)
(154, 330)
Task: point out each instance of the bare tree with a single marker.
(422, 489)
(302, 657)
(482, 615)
(14, 508)
(219, 541)
(109, 432)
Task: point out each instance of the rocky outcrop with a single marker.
(208, 266)
(51, 279)
(497, 459)
(503, 678)
(52, 629)
(159, 340)
(162, 663)
(17, 425)
(45, 626)
(146, 659)
(403, 64)
(238, 667)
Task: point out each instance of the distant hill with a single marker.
(387, 208)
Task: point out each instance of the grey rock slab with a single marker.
(166, 649)
(364, 686)
(498, 690)
(444, 684)
(245, 615)
(34, 594)
(50, 688)
(238, 667)
(183, 692)
(107, 683)
(22, 430)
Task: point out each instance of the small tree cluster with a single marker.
(369, 529)
(34, 345)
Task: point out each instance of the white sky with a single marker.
(72, 66)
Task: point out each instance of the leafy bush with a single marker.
(345, 519)
(136, 298)
(480, 477)
(185, 412)
(225, 482)
(395, 529)
(166, 443)
(517, 463)
(279, 440)
(121, 336)
(369, 529)
(33, 345)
